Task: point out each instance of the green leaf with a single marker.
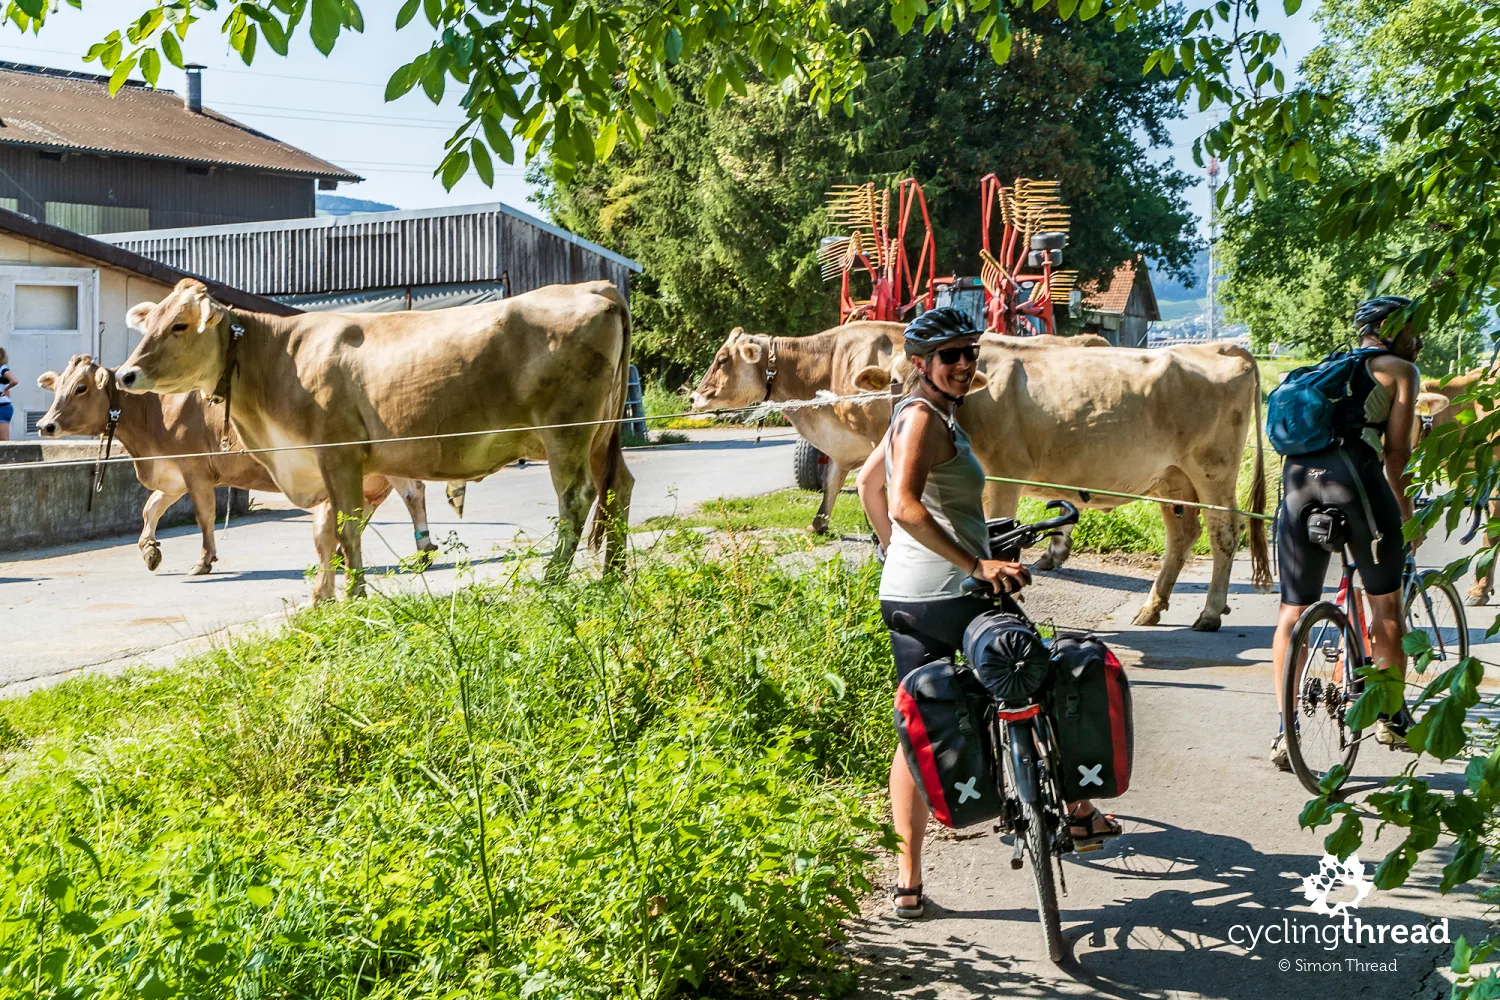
(406, 13)
(1345, 840)
(171, 48)
(1065, 8)
(836, 683)
(434, 79)
(495, 135)
(1466, 865)
(1291, 6)
(1392, 872)
(672, 46)
(121, 74)
(904, 14)
(1462, 954)
(260, 895)
(403, 79)
(275, 35)
(32, 8)
(1416, 643)
(87, 848)
(1000, 41)
(247, 46)
(454, 167)
(609, 135)
(151, 65)
(1089, 8)
(714, 90)
(327, 21)
(482, 164)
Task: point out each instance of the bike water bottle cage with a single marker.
(1328, 528)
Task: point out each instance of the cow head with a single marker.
(80, 400)
(737, 376)
(184, 338)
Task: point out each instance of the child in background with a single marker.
(8, 381)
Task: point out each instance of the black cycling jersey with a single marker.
(1325, 479)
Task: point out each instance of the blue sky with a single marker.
(334, 106)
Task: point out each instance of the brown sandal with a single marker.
(1092, 837)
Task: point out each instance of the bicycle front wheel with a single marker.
(1434, 606)
(1320, 683)
(1039, 846)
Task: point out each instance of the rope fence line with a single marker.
(1086, 492)
(761, 409)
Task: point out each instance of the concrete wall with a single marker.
(42, 507)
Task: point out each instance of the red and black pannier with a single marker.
(1091, 707)
(943, 718)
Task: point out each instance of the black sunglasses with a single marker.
(952, 355)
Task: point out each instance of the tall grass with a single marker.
(591, 791)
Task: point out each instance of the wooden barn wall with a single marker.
(173, 197)
(534, 257)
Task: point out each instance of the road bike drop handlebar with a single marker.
(1007, 538)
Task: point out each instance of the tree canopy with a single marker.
(724, 205)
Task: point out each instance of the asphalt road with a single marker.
(1212, 855)
(95, 605)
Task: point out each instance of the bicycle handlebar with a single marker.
(1007, 542)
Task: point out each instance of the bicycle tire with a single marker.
(1292, 702)
(1039, 846)
(1438, 592)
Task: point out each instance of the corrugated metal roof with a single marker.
(66, 111)
(28, 228)
(364, 251)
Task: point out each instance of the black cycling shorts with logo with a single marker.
(924, 631)
(1323, 479)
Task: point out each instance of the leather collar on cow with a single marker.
(231, 366)
(770, 367)
(107, 439)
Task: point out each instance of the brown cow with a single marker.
(751, 369)
(1437, 399)
(451, 394)
(154, 429)
(1170, 422)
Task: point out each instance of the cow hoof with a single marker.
(819, 525)
(1205, 623)
(152, 555)
(1146, 616)
(1045, 563)
(202, 568)
(1477, 598)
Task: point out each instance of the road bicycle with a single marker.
(1033, 812)
(1319, 686)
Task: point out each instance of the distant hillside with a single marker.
(332, 204)
(1172, 290)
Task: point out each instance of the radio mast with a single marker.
(1213, 234)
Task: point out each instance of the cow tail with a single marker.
(612, 508)
(1260, 554)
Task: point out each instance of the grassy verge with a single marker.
(663, 402)
(1134, 527)
(590, 791)
(790, 509)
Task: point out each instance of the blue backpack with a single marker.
(1314, 408)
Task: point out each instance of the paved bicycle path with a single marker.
(1212, 843)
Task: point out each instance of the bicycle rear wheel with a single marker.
(1039, 846)
(1435, 607)
(1319, 685)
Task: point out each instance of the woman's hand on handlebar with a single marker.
(1003, 577)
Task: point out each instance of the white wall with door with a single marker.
(47, 315)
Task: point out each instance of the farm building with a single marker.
(386, 261)
(75, 157)
(1123, 311)
(62, 293)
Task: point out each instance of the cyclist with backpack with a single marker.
(1344, 427)
(922, 490)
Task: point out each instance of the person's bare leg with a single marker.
(909, 816)
(1386, 629)
(1285, 622)
(5, 430)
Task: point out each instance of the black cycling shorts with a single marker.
(923, 631)
(1323, 479)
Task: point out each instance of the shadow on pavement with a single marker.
(1171, 939)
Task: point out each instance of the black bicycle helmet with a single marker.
(936, 327)
(1371, 313)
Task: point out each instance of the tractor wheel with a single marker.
(810, 466)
